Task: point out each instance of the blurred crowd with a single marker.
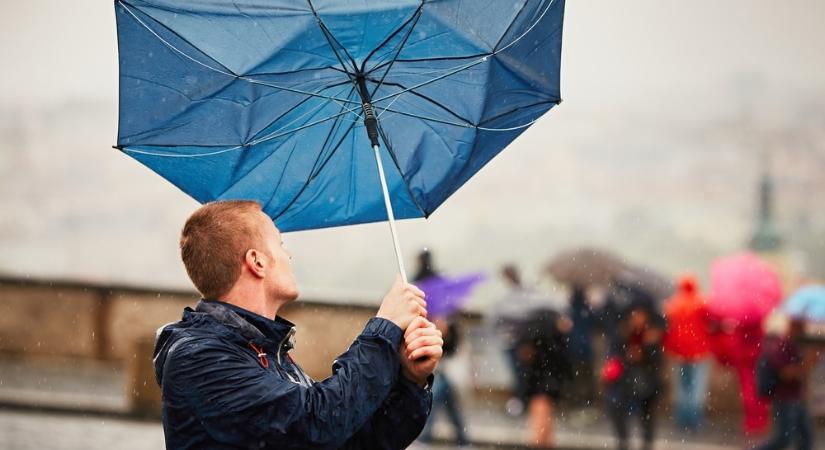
(625, 336)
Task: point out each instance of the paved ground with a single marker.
(85, 408)
(26, 430)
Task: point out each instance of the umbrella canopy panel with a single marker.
(743, 288)
(254, 100)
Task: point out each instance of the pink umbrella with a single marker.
(743, 288)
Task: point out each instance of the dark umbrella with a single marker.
(656, 285)
(585, 266)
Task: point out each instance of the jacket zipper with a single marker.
(284, 341)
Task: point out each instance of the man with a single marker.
(225, 373)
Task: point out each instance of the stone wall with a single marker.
(40, 319)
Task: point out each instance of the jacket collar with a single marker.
(254, 328)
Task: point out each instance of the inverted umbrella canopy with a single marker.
(744, 288)
(267, 100)
(808, 303)
(446, 295)
(585, 266)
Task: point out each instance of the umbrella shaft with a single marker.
(390, 215)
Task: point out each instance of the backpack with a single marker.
(766, 377)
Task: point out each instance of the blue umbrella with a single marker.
(807, 302)
(280, 101)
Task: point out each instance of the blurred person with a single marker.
(688, 343)
(782, 373)
(226, 376)
(737, 345)
(632, 373)
(542, 349)
(425, 268)
(444, 396)
(581, 345)
(620, 297)
(509, 315)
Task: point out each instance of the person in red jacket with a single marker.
(687, 341)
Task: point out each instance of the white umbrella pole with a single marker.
(390, 215)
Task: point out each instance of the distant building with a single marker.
(766, 238)
(770, 244)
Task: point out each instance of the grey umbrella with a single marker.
(585, 266)
(644, 278)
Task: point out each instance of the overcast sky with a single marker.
(652, 90)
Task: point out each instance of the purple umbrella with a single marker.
(446, 295)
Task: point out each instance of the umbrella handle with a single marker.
(390, 215)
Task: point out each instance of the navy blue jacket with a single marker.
(228, 382)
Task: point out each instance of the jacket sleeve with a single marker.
(240, 403)
(399, 420)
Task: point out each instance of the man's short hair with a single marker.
(214, 242)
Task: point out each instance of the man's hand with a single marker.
(421, 350)
(403, 303)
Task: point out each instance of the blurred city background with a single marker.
(688, 132)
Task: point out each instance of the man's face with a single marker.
(280, 279)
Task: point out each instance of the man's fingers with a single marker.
(432, 351)
(417, 323)
(424, 341)
(416, 333)
(416, 291)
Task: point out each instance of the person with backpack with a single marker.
(781, 374)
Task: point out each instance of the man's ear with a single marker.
(255, 262)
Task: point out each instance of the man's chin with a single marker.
(293, 296)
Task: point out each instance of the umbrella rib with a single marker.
(276, 134)
(330, 39)
(228, 72)
(427, 98)
(293, 150)
(312, 177)
(498, 116)
(237, 147)
(460, 68)
(415, 16)
(315, 167)
(292, 109)
(126, 6)
(291, 72)
(509, 27)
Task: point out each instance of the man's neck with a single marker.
(253, 301)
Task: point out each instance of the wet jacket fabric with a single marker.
(781, 354)
(228, 382)
(688, 322)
